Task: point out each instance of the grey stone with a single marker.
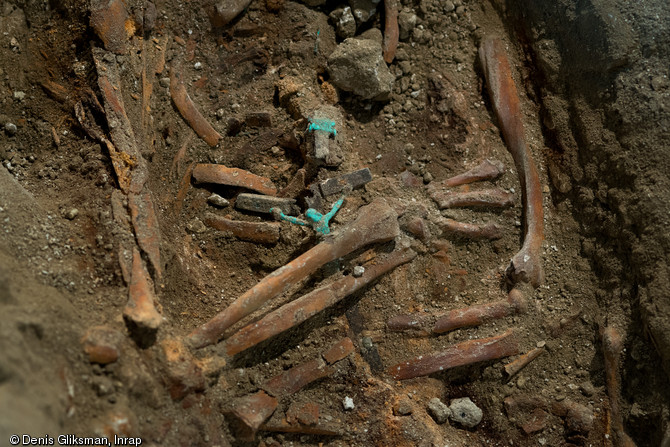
(438, 410)
(373, 34)
(11, 129)
(196, 226)
(357, 66)
(71, 214)
(465, 412)
(404, 407)
(262, 204)
(358, 271)
(345, 24)
(406, 23)
(217, 200)
(363, 10)
(337, 184)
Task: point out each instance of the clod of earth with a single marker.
(526, 265)
(375, 223)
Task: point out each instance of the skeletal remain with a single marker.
(141, 310)
(247, 413)
(513, 367)
(468, 230)
(465, 317)
(190, 113)
(526, 265)
(391, 30)
(486, 170)
(466, 353)
(376, 222)
(260, 232)
(321, 428)
(612, 347)
(299, 310)
(490, 198)
(222, 175)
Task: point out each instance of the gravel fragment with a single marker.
(348, 403)
(217, 200)
(10, 129)
(465, 412)
(358, 271)
(438, 410)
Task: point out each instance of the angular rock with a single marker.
(438, 410)
(406, 23)
(345, 24)
(363, 10)
(465, 412)
(358, 66)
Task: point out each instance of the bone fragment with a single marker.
(391, 31)
(612, 348)
(299, 310)
(259, 232)
(526, 265)
(464, 317)
(489, 198)
(190, 113)
(141, 311)
(513, 367)
(486, 170)
(339, 351)
(337, 184)
(468, 230)
(222, 175)
(296, 378)
(376, 222)
(111, 22)
(322, 428)
(466, 353)
(247, 413)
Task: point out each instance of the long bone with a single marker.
(486, 170)
(526, 265)
(376, 222)
(487, 198)
(299, 310)
(612, 348)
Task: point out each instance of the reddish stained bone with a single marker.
(187, 109)
(578, 418)
(301, 309)
(102, 344)
(465, 317)
(612, 347)
(526, 265)
(145, 224)
(140, 308)
(513, 367)
(222, 175)
(260, 232)
(296, 378)
(391, 31)
(339, 351)
(247, 414)
(466, 353)
(468, 230)
(376, 222)
(112, 24)
(486, 170)
(490, 198)
(307, 414)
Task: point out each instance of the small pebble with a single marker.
(11, 129)
(348, 403)
(71, 214)
(438, 410)
(19, 95)
(196, 226)
(198, 65)
(465, 412)
(164, 82)
(587, 389)
(217, 200)
(404, 407)
(358, 271)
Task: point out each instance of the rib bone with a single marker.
(486, 170)
(376, 222)
(489, 198)
(526, 265)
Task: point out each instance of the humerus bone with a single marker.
(466, 353)
(376, 222)
(526, 265)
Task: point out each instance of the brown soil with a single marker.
(595, 94)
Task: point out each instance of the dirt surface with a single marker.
(595, 95)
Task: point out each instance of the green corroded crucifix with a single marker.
(317, 220)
